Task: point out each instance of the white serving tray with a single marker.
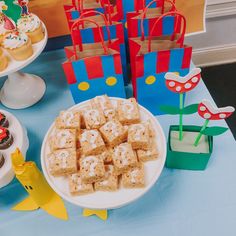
(109, 200)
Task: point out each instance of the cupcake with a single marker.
(3, 61)
(18, 44)
(32, 26)
(3, 121)
(2, 161)
(6, 138)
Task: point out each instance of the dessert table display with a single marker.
(107, 154)
(180, 203)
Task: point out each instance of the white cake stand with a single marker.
(23, 90)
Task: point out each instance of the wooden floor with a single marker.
(221, 83)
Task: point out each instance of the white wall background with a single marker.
(218, 44)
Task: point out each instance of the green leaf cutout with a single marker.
(13, 11)
(175, 110)
(170, 110)
(190, 109)
(214, 131)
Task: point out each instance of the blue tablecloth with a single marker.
(180, 203)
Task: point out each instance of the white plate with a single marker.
(14, 65)
(109, 200)
(20, 140)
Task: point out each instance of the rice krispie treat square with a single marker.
(148, 123)
(91, 142)
(114, 133)
(103, 103)
(92, 168)
(134, 178)
(62, 162)
(138, 136)
(77, 186)
(107, 156)
(93, 118)
(81, 110)
(68, 120)
(128, 111)
(124, 158)
(110, 182)
(150, 154)
(63, 138)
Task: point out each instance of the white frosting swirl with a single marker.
(15, 40)
(28, 23)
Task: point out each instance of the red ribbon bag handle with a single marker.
(78, 4)
(80, 7)
(162, 12)
(77, 24)
(108, 12)
(105, 21)
(180, 18)
(144, 3)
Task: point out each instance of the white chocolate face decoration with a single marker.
(91, 163)
(63, 136)
(93, 115)
(90, 136)
(122, 152)
(111, 127)
(128, 109)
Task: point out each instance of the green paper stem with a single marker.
(181, 106)
(200, 133)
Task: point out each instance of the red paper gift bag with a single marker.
(148, 16)
(152, 57)
(93, 69)
(90, 34)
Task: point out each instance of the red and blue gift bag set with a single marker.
(97, 62)
(93, 69)
(152, 57)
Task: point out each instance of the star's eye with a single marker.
(26, 186)
(30, 188)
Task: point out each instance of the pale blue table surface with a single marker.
(180, 203)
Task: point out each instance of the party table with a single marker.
(180, 203)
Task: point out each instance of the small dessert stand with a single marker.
(21, 141)
(23, 90)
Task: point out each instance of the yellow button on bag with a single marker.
(150, 80)
(111, 81)
(83, 86)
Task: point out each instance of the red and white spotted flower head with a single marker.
(209, 111)
(179, 84)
